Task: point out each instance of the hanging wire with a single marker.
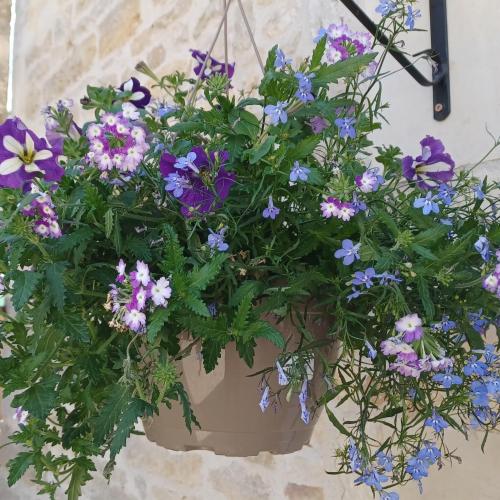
(250, 34)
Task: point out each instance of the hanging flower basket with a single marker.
(167, 261)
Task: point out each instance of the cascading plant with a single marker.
(197, 211)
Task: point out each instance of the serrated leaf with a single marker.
(74, 326)
(109, 414)
(54, 274)
(24, 285)
(138, 247)
(423, 252)
(304, 148)
(158, 319)
(79, 476)
(174, 256)
(135, 409)
(197, 305)
(246, 287)
(318, 52)
(239, 323)
(200, 278)
(211, 351)
(39, 399)
(18, 466)
(265, 330)
(187, 412)
(352, 66)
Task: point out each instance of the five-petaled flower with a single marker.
(216, 240)
(299, 172)
(270, 212)
(212, 66)
(427, 204)
(139, 95)
(348, 253)
(410, 326)
(277, 112)
(346, 127)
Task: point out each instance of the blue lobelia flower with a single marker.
(482, 246)
(386, 278)
(176, 184)
(271, 212)
(478, 322)
(385, 461)
(436, 421)
(348, 253)
(364, 277)
(418, 468)
(372, 352)
(264, 400)
(411, 15)
(282, 378)
(216, 240)
(187, 161)
(304, 93)
(357, 204)
(354, 295)
(447, 379)
(475, 367)
(299, 172)
(321, 33)
(385, 7)
(389, 495)
(493, 385)
(427, 204)
(346, 127)
(446, 193)
(447, 324)
(429, 452)
(281, 61)
(478, 191)
(372, 478)
(277, 113)
(355, 461)
(479, 394)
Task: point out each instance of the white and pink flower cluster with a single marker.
(491, 282)
(333, 207)
(46, 224)
(116, 146)
(408, 362)
(134, 295)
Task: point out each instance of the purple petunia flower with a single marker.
(432, 167)
(212, 67)
(277, 112)
(346, 127)
(271, 212)
(364, 277)
(299, 172)
(24, 156)
(216, 240)
(140, 96)
(349, 252)
(427, 204)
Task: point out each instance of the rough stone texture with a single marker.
(62, 45)
(4, 53)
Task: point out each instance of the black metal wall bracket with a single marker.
(438, 53)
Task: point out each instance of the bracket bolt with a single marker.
(438, 107)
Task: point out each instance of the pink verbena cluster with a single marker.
(134, 295)
(333, 207)
(116, 146)
(409, 362)
(45, 224)
(344, 43)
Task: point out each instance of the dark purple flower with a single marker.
(213, 67)
(24, 156)
(203, 191)
(432, 167)
(140, 95)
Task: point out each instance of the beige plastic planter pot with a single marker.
(226, 403)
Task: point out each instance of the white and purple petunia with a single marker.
(24, 156)
(410, 326)
(212, 66)
(432, 167)
(139, 95)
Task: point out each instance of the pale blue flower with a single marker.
(482, 246)
(478, 191)
(216, 240)
(427, 204)
(277, 113)
(411, 15)
(385, 461)
(299, 172)
(264, 400)
(447, 379)
(187, 161)
(281, 61)
(385, 7)
(364, 277)
(176, 184)
(348, 253)
(346, 127)
(271, 212)
(372, 352)
(436, 421)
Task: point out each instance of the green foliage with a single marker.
(25, 283)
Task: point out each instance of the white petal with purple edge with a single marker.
(13, 145)
(10, 166)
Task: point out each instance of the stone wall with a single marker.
(4, 54)
(62, 45)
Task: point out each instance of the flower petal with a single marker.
(30, 145)
(13, 145)
(44, 154)
(10, 166)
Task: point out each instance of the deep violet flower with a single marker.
(140, 96)
(202, 192)
(24, 156)
(212, 67)
(432, 167)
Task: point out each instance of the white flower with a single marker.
(161, 291)
(135, 319)
(129, 111)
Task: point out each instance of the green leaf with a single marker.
(40, 398)
(74, 326)
(211, 351)
(246, 124)
(187, 412)
(304, 148)
(196, 305)
(261, 150)
(109, 220)
(200, 278)
(424, 252)
(332, 73)
(158, 319)
(135, 409)
(246, 287)
(24, 285)
(239, 323)
(138, 247)
(18, 466)
(79, 476)
(265, 330)
(110, 413)
(336, 422)
(318, 52)
(425, 297)
(55, 280)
